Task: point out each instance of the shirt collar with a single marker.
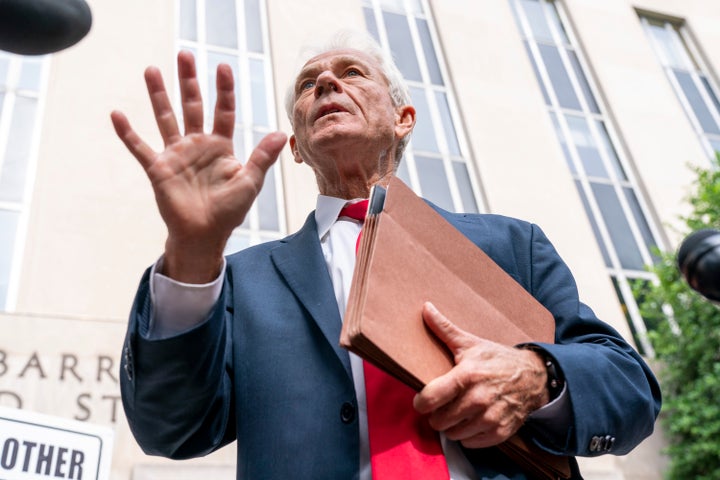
(327, 210)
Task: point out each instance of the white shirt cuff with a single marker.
(177, 306)
(556, 416)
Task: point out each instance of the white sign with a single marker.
(41, 447)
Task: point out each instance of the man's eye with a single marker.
(353, 73)
(307, 84)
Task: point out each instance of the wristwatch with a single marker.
(555, 379)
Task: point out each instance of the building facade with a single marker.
(582, 116)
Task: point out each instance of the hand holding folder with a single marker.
(408, 255)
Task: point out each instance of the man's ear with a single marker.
(404, 120)
(294, 149)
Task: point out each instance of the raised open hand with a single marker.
(202, 191)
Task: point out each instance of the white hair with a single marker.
(364, 42)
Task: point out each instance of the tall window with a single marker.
(599, 168)
(688, 76)
(235, 32)
(436, 164)
(22, 79)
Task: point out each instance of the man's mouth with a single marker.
(328, 110)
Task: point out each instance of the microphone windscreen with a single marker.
(699, 261)
(37, 27)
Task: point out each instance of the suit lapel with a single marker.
(300, 261)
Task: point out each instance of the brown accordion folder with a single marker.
(408, 255)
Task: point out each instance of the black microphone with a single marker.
(699, 262)
(37, 27)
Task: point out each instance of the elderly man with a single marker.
(246, 348)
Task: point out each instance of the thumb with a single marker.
(265, 154)
(450, 334)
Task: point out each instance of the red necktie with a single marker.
(403, 446)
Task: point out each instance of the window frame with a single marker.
(621, 276)
(10, 92)
(699, 67)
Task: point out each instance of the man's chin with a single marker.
(338, 134)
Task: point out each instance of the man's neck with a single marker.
(353, 187)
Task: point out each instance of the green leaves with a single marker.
(687, 342)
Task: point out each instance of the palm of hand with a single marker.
(200, 186)
(203, 192)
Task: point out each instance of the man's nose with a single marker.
(327, 82)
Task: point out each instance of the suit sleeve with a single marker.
(176, 391)
(614, 396)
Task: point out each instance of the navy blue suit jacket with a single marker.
(265, 368)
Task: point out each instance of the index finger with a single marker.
(437, 393)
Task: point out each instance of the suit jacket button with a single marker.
(347, 412)
(609, 441)
(595, 444)
(128, 363)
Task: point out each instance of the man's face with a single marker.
(342, 101)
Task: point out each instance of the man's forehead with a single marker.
(341, 54)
